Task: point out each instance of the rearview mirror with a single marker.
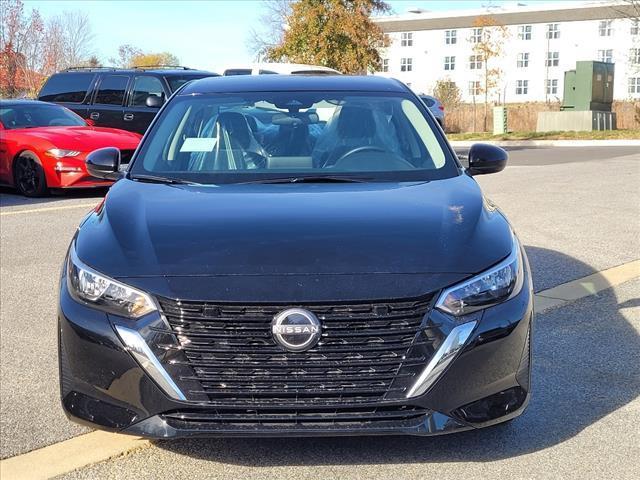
(154, 101)
(104, 163)
(485, 158)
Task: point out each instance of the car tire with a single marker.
(28, 175)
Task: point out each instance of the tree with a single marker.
(489, 47)
(153, 59)
(271, 30)
(334, 33)
(448, 93)
(32, 48)
(130, 56)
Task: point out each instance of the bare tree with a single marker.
(78, 38)
(273, 23)
(489, 47)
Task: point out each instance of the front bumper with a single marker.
(104, 387)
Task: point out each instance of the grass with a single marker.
(596, 135)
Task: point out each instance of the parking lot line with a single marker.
(98, 446)
(48, 209)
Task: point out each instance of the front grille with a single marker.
(362, 417)
(364, 355)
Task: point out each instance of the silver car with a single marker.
(435, 106)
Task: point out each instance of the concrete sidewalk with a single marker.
(549, 143)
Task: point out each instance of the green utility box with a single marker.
(589, 87)
(499, 120)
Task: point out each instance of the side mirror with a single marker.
(89, 122)
(104, 163)
(485, 158)
(154, 101)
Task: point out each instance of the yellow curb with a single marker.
(585, 286)
(48, 209)
(69, 455)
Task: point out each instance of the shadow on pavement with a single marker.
(583, 369)
(10, 198)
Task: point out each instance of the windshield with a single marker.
(226, 138)
(38, 115)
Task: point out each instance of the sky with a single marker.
(202, 34)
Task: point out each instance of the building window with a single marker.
(385, 64)
(553, 30)
(450, 37)
(524, 32)
(406, 64)
(476, 35)
(634, 85)
(449, 63)
(474, 88)
(635, 27)
(523, 60)
(552, 86)
(634, 56)
(475, 62)
(605, 56)
(522, 87)
(553, 59)
(406, 39)
(604, 29)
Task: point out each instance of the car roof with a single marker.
(159, 71)
(282, 68)
(11, 102)
(275, 83)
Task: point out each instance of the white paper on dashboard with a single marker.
(198, 144)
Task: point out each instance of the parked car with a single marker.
(118, 98)
(289, 276)
(435, 106)
(279, 68)
(43, 146)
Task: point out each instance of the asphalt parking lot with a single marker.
(577, 211)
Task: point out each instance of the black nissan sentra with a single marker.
(295, 256)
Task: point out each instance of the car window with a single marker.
(111, 90)
(38, 115)
(143, 87)
(428, 101)
(237, 71)
(176, 81)
(240, 137)
(66, 87)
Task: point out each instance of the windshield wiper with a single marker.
(160, 179)
(310, 179)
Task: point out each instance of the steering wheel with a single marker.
(353, 151)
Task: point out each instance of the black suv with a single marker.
(115, 97)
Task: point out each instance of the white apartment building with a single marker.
(542, 42)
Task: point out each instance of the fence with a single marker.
(468, 117)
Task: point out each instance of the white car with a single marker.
(279, 68)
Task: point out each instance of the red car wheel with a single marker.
(29, 175)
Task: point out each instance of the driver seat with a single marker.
(355, 127)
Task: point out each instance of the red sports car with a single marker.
(44, 146)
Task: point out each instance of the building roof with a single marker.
(513, 15)
(275, 83)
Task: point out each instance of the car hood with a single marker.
(388, 236)
(85, 138)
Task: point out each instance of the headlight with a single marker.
(104, 293)
(496, 285)
(60, 153)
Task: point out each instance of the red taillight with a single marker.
(441, 107)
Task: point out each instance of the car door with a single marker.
(137, 114)
(107, 108)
